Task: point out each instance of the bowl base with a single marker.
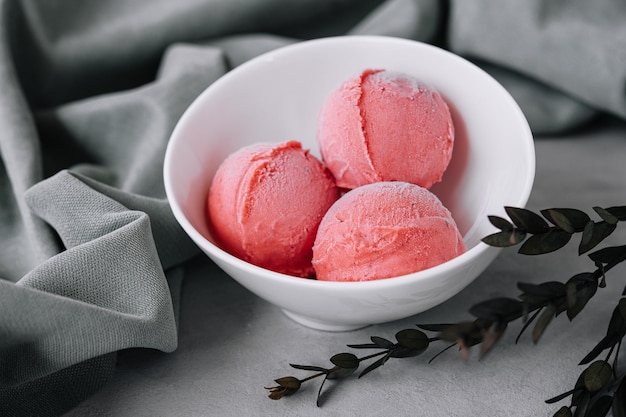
(322, 325)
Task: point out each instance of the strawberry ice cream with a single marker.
(383, 230)
(385, 126)
(266, 202)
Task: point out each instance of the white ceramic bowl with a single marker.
(277, 96)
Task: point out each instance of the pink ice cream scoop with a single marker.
(385, 126)
(266, 202)
(383, 230)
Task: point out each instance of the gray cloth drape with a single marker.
(90, 254)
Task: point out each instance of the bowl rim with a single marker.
(459, 261)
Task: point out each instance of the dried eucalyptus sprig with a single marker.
(599, 389)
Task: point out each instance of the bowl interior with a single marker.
(277, 97)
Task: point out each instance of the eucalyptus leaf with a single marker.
(309, 368)
(378, 363)
(609, 255)
(365, 346)
(381, 342)
(563, 412)
(318, 401)
(579, 390)
(606, 215)
(579, 290)
(601, 406)
(345, 360)
(498, 309)
(594, 234)
(546, 290)
(434, 327)
(622, 308)
(404, 352)
(617, 324)
(527, 220)
(618, 211)
(543, 321)
(583, 404)
(288, 382)
(597, 376)
(505, 238)
(501, 223)
(491, 337)
(544, 243)
(597, 349)
(413, 339)
(560, 397)
(339, 372)
(470, 332)
(619, 400)
(527, 323)
(570, 220)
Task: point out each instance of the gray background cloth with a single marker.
(107, 308)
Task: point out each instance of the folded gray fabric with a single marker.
(576, 47)
(90, 254)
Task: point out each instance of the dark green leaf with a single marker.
(308, 368)
(545, 243)
(617, 324)
(579, 289)
(450, 346)
(501, 223)
(546, 290)
(365, 346)
(434, 327)
(413, 339)
(580, 392)
(345, 360)
(570, 220)
(544, 293)
(338, 372)
(597, 376)
(606, 215)
(471, 332)
(563, 412)
(583, 404)
(619, 400)
(543, 321)
(527, 220)
(618, 211)
(585, 240)
(498, 309)
(405, 352)
(319, 391)
(505, 238)
(560, 396)
(593, 234)
(378, 363)
(382, 342)
(491, 337)
(603, 344)
(601, 406)
(288, 382)
(527, 323)
(609, 255)
(622, 308)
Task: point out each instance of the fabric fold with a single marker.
(106, 292)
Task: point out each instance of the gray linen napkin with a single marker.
(90, 254)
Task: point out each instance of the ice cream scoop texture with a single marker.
(266, 202)
(383, 230)
(385, 126)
